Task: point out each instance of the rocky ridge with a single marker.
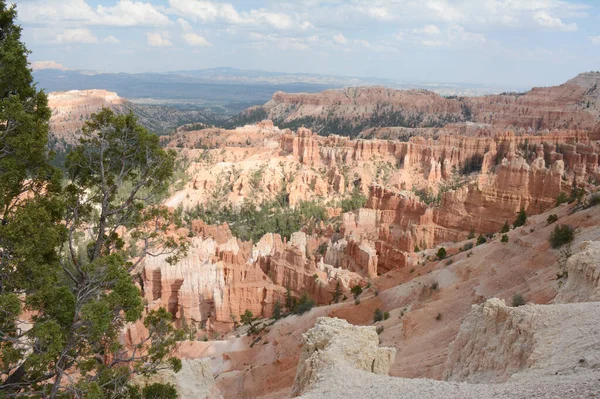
(70, 110)
(572, 105)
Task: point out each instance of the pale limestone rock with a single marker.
(583, 281)
(493, 342)
(497, 343)
(335, 343)
(194, 381)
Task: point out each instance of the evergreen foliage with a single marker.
(441, 253)
(63, 258)
(521, 219)
(561, 235)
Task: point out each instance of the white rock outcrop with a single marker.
(194, 381)
(336, 344)
(583, 281)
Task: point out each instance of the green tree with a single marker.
(504, 238)
(159, 391)
(562, 198)
(481, 239)
(337, 294)
(277, 311)
(290, 300)
(247, 318)
(63, 253)
(562, 234)
(471, 234)
(441, 253)
(377, 315)
(505, 228)
(305, 303)
(521, 219)
(356, 290)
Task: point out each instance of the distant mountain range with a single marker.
(226, 91)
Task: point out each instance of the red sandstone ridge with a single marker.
(70, 110)
(573, 105)
(423, 193)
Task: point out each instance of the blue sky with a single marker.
(504, 42)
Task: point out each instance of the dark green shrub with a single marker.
(521, 219)
(356, 290)
(377, 315)
(594, 200)
(386, 315)
(441, 253)
(438, 317)
(576, 194)
(305, 303)
(467, 246)
(504, 238)
(471, 234)
(356, 201)
(417, 249)
(277, 311)
(552, 218)
(562, 198)
(435, 285)
(379, 329)
(247, 318)
(562, 234)
(505, 228)
(518, 300)
(481, 240)
(337, 294)
(159, 391)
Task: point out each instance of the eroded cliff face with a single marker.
(353, 111)
(496, 342)
(334, 343)
(582, 275)
(423, 193)
(70, 110)
(221, 277)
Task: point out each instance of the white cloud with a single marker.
(595, 40)
(212, 12)
(196, 40)
(340, 39)
(276, 20)
(123, 13)
(429, 30)
(444, 11)
(544, 19)
(433, 36)
(184, 25)
(37, 65)
(111, 40)
(131, 13)
(157, 39)
(76, 36)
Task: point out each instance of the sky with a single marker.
(519, 43)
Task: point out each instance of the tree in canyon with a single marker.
(67, 286)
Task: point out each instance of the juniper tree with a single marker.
(63, 254)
